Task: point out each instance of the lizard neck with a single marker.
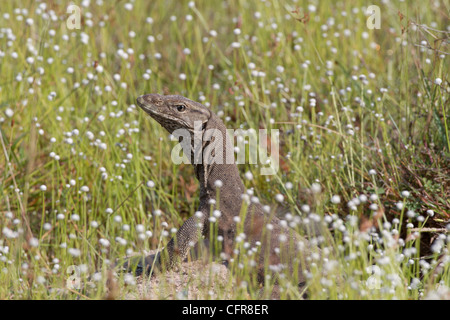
(208, 172)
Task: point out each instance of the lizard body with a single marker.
(280, 245)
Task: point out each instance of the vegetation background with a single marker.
(86, 177)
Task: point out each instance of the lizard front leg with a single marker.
(175, 251)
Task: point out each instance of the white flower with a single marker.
(438, 81)
(410, 214)
(40, 280)
(33, 242)
(84, 189)
(199, 214)
(279, 197)
(305, 208)
(97, 276)
(316, 188)
(74, 252)
(43, 187)
(280, 69)
(363, 198)
(406, 194)
(129, 279)
(104, 242)
(9, 112)
(150, 184)
(335, 199)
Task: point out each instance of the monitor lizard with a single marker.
(281, 249)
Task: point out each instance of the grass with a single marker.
(362, 113)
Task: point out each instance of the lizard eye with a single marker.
(180, 108)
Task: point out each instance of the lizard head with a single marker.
(173, 111)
